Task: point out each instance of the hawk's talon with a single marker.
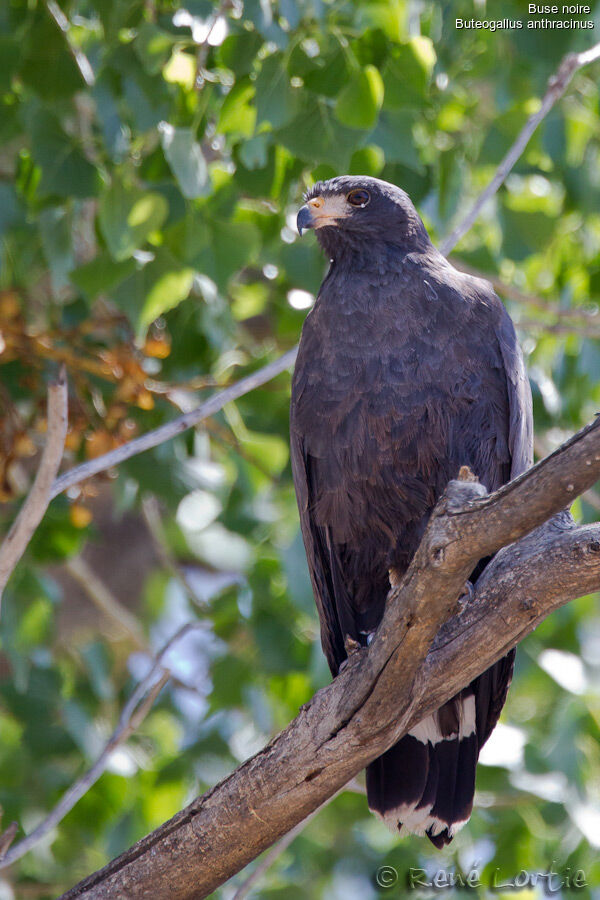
(351, 646)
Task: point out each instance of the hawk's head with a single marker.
(357, 208)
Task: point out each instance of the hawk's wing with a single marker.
(323, 563)
(520, 430)
(491, 687)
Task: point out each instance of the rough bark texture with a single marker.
(384, 690)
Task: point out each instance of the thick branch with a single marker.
(33, 509)
(389, 687)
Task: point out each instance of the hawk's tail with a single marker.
(426, 782)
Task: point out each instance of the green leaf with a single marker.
(48, 64)
(185, 159)
(102, 274)
(234, 244)
(359, 103)
(525, 231)
(238, 114)
(253, 153)
(328, 76)
(276, 100)
(367, 161)
(393, 134)
(65, 170)
(407, 73)
(153, 47)
(127, 216)
(168, 284)
(238, 51)
(154, 288)
(10, 56)
(55, 231)
(316, 135)
(10, 210)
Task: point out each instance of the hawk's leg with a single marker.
(351, 646)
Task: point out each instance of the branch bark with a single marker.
(390, 686)
(33, 509)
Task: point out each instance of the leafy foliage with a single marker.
(151, 160)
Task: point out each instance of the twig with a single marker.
(103, 598)
(155, 526)
(7, 837)
(81, 60)
(557, 85)
(582, 329)
(36, 504)
(202, 54)
(134, 711)
(513, 293)
(171, 429)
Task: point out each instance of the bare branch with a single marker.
(584, 330)
(104, 600)
(7, 837)
(557, 86)
(204, 46)
(388, 687)
(151, 514)
(81, 60)
(171, 429)
(589, 314)
(36, 504)
(134, 712)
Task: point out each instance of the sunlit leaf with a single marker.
(128, 216)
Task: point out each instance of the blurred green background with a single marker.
(152, 159)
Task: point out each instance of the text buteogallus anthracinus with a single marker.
(407, 370)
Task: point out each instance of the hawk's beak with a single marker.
(320, 211)
(304, 219)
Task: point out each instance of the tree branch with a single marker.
(33, 509)
(557, 85)
(105, 601)
(387, 688)
(583, 314)
(172, 429)
(134, 712)
(81, 60)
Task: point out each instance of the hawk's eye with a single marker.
(359, 197)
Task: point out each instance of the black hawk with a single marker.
(407, 370)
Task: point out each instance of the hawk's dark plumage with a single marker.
(407, 370)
